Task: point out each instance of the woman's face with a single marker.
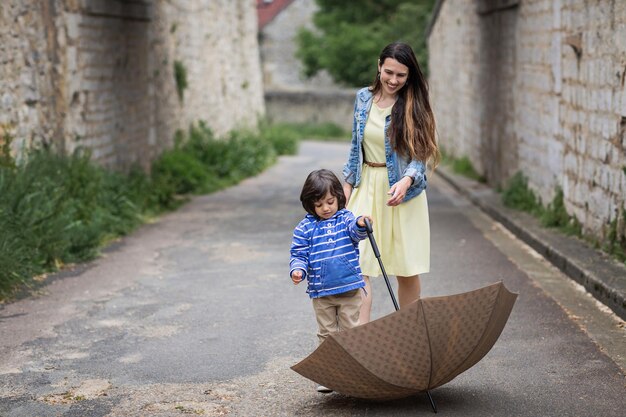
(393, 76)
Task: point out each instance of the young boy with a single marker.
(324, 250)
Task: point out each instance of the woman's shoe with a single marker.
(323, 389)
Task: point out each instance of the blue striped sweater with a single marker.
(327, 251)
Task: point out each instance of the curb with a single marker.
(602, 277)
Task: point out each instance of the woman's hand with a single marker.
(347, 191)
(398, 191)
(296, 277)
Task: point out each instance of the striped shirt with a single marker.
(327, 252)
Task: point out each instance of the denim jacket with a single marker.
(398, 166)
(327, 253)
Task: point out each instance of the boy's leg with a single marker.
(366, 306)
(326, 316)
(348, 308)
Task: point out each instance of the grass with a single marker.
(316, 131)
(516, 194)
(461, 166)
(180, 76)
(61, 209)
(519, 196)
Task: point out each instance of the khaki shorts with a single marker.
(337, 312)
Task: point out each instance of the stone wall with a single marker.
(537, 86)
(311, 107)
(99, 74)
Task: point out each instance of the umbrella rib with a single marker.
(479, 339)
(430, 347)
(370, 372)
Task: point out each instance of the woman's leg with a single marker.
(408, 289)
(366, 307)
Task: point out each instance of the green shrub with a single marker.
(615, 243)
(182, 170)
(555, 215)
(290, 132)
(463, 166)
(348, 35)
(517, 195)
(248, 154)
(180, 76)
(57, 209)
(284, 139)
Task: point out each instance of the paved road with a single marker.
(195, 314)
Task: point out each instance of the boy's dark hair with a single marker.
(317, 184)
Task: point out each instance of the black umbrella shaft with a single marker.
(370, 235)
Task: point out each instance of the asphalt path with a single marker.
(195, 314)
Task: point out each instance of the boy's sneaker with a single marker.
(323, 389)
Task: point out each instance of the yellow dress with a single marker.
(401, 232)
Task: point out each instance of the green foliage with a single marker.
(463, 166)
(616, 239)
(517, 195)
(6, 159)
(284, 140)
(555, 215)
(57, 209)
(350, 36)
(322, 131)
(180, 75)
(286, 136)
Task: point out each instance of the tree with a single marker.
(351, 34)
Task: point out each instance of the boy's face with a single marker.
(326, 207)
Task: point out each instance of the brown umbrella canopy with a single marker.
(417, 348)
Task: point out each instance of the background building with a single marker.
(289, 96)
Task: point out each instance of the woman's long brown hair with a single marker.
(412, 129)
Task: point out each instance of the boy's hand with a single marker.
(296, 277)
(361, 221)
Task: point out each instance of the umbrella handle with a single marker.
(370, 235)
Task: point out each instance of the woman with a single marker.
(393, 138)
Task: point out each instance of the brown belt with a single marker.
(375, 164)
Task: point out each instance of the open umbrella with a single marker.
(420, 347)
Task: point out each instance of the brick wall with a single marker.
(100, 73)
(28, 98)
(537, 86)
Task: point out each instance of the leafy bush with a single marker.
(291, 133)
(517, 195)
(350, 35)
(555, 215)
(463, 166)
(180, 76)
(57, 209)
(284, 139)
